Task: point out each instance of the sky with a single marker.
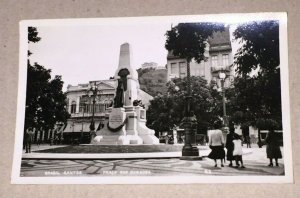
(84, 50)
(85, 53)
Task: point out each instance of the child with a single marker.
(238, 151)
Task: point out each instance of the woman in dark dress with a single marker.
(229, 143)
(273, 149)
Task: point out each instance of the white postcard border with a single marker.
(233, 18)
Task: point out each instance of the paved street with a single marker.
(254, 159)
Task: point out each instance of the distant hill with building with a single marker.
(153, 80)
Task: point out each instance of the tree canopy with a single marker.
(189, 40)
(167, 110)
(33, 35)
(257, 85)
(260, 47)
(45, 100)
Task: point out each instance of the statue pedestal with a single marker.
(114, 129)
(134, 130)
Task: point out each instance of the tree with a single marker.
(153, 81)
(257, 85)
(167, 110)
(33, 35)
(260, 47)
(45, 101)
(260, 93)
(189, 40)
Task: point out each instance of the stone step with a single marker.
(106, 140)
(109, 140)
(111, 137)
(107, 143)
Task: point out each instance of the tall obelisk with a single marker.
(125, 65)
(125, 123)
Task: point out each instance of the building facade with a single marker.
(219, 59)
(80, 107)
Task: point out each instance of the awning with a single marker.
(80, 126)
(77, 127)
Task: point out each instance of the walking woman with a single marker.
(238, 151)
(273, 149)
(216, 143)
(229, 144)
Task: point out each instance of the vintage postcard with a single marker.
(154, 100)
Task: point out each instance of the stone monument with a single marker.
(125, 123)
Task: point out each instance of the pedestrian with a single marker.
(28, 139)
(56, 139)
(229, 144)
(248, 142)
(38, 138)
(51, 135)
(273, 149)
(216, 144)
(166, 139)
(93, 134)
(246, 134)
(238, 151)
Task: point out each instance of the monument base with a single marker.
(106, 137)
(133, 132)
(190, 153)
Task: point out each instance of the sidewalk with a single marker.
(154, 164)
(203, 150)
(35, 147)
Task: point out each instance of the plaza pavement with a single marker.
(142, 164)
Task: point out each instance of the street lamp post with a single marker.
(222, 76)
(188, 122)
(72, 139)
(83, 109)
(93, 91)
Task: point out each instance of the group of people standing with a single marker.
(233, 144)
(33, 135)
(234, 147)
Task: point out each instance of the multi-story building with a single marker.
(80, 107)
(219, 59)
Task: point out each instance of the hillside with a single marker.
(153, 81)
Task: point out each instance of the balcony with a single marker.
(220, 47)
(216, 69)
(87, 114)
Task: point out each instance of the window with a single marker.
(73, 107)
(214, 61)
(182, 68)
(83, 104)
(89, 108)
(174, 69)
(225, 59)
(102, 107)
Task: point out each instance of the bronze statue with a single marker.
(122, 87)
(119, 98)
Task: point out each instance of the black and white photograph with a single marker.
(154, 100)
